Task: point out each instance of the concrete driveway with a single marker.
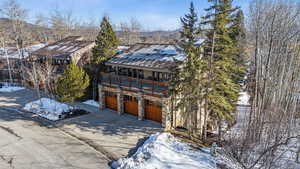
(24, 144)
(107, 135)
(117, 135)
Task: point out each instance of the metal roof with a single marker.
(151, 56)
(63, 47)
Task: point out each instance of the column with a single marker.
(166, 114)
(120, 99)
(101, 97)
(141, 107)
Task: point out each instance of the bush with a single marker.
(72, 84)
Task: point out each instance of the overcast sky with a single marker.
(152, 14)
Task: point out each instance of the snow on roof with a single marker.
(13, 52)
(157, 56)
(63, 47)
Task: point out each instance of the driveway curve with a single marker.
(25, 144)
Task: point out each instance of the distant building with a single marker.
(12, 56)
(62, 52)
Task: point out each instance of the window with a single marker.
(107, 93)
(130, 98)
(153, 103)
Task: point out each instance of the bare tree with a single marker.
(4, 40)
(130, 32)
(274, 36)
(42, 28)
(17, 15)
(62, 23)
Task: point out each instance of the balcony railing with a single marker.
(148, 86)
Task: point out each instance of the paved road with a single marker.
(24, 144)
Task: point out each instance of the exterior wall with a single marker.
(141, 100)
(180, 119)
(76, 56)
(168, 121)
(147, 74)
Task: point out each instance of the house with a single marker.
(61, 53)
(12, 56)
(136, 82)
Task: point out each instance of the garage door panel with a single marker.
(153, 113)
(111, 102)
(131, 107)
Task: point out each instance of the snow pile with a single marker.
(243, 99)
(48, 108)
(91, 103)
(161, 151)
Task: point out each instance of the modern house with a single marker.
(62, 52)
(136, 82)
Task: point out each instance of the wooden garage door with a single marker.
(131, 105)
(111, 101)
(153, 111)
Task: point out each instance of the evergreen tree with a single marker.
(187, 79)
(222, 89)
(189, 27)
(106, 46)
(238, 35)
(106, 43)
(72, 84)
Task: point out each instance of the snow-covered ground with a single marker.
(287, 153)
(164, 151)
(91, 103)
(243, 99)
(13, 53)
(48, 108)
(10, 88)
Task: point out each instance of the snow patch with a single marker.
(243, 98)
(48, 108)
(11, 89)
(8, 87)
(91, 103)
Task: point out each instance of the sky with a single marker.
(152, 14)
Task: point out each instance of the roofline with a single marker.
(146, 43)
(166, 70)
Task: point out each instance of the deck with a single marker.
(135, 84)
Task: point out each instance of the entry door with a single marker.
(131, 105)
(153, 111)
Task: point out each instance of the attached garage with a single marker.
(111, 101)
(153, 111)
(131, 105)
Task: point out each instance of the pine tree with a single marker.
(106, 46)
(106, 43)
(238, 35)
(222, 89)
(186, 82)
(72, 84)
(189, 27)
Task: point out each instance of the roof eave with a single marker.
(166, 70)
